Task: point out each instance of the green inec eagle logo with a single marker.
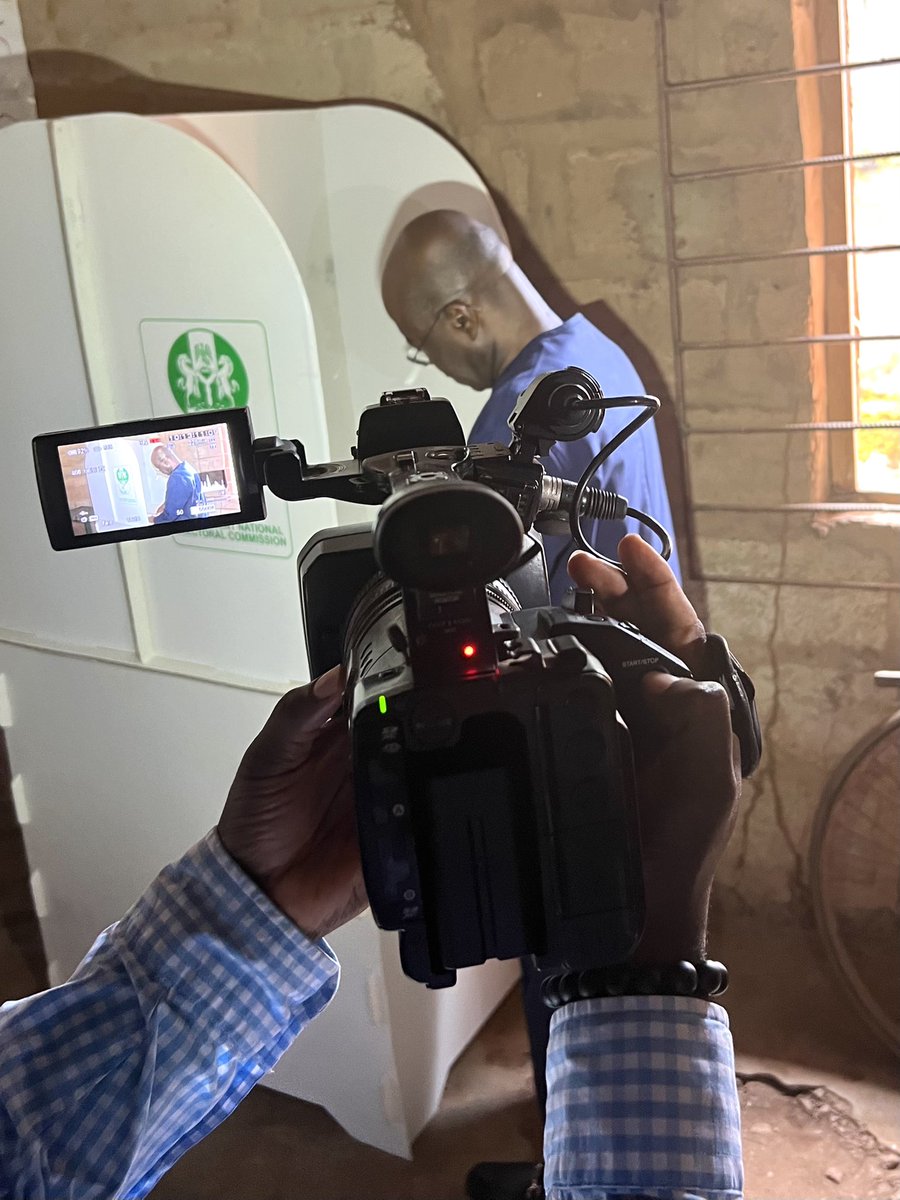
(206, 372)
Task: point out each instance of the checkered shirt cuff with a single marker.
(642, 1101)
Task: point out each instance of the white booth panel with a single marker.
(71, 599)
(123, 235)
(181, 244)
(280, 156)
(122, 769)
(432, 1028)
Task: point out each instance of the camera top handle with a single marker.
(412, 438)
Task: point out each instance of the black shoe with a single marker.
(505, 1181)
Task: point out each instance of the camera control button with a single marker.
(584, 602)
(569, 655)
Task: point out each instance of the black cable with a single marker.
(650, 404)
(662, 534)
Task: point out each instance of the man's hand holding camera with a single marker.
(687, 759)
(289, 819)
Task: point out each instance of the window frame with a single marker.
(821, 38)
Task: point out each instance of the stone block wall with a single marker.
(810, 604)
(558, 103)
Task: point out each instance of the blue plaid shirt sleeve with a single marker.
(642, 1101)
(175, 1013)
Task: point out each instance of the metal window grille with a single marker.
(670, 94)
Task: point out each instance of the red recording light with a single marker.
(468, 650)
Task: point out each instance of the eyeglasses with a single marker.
(416, 354)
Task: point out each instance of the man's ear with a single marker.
(464, 319)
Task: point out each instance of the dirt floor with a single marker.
(811, 1145)
(274, 1148)
(820, 1100)
(820, 1096)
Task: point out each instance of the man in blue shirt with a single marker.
(183, 489)
(452, 287)
(183, 1005)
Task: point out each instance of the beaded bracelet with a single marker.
(702, 980)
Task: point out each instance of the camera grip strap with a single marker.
(720, 666)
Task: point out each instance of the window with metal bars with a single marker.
(801, 289)
(871, 113)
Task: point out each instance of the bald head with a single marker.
(439, 257)
(451, 286)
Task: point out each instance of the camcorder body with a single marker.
(495, 783)
(492, 760)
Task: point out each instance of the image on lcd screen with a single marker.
(149, 479)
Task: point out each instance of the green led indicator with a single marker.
(382, 705)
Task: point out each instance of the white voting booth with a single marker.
(132, 677)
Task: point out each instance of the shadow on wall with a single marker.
(68, 83)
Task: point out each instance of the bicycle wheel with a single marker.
(855, 877)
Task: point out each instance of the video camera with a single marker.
(492, 763)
